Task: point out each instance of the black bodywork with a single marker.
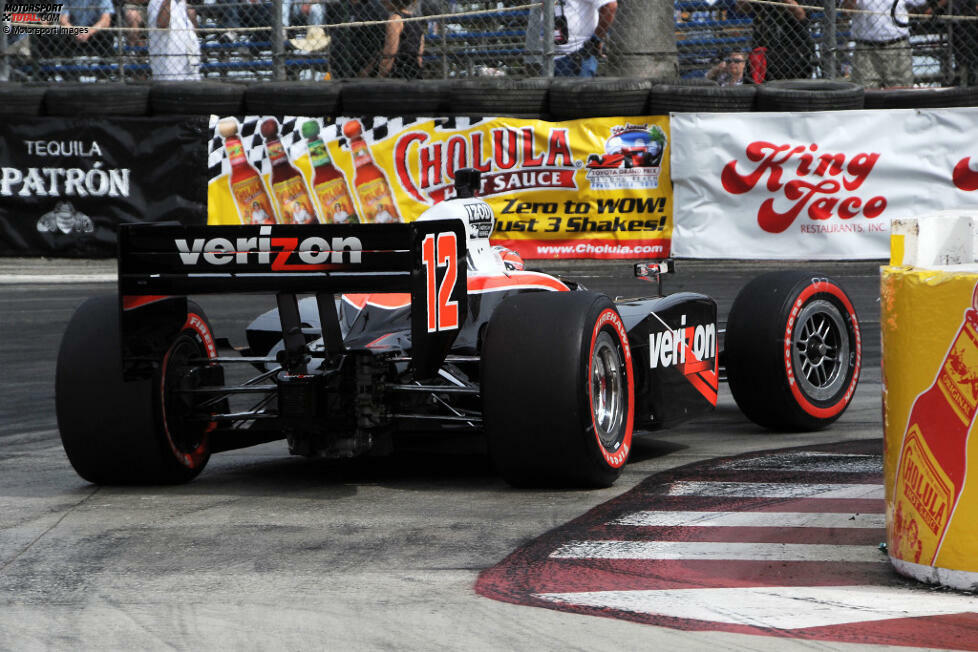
(339, 380)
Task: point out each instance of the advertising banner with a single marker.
(930, 361)
(596, 188)
(67, 183)
(820, 185)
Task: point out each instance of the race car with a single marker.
(426, 327)
(635, 147)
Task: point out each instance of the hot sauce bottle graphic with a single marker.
(933, 459)
(247, 188)
(375, 193)
(328, 182)
(288, 185)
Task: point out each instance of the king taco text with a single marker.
(817, 181)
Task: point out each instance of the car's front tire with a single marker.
(793, 350)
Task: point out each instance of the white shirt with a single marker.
(879, 26)
(582, 20)
(174, 53)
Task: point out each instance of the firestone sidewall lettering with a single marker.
(194, 458)
(817, 286)
(617, 458)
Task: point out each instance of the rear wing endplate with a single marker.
(425, 259)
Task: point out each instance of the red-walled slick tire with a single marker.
(793, 350)
(130, 432)
(558, 390)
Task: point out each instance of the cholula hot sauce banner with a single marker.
(596, 188)
(67, 183)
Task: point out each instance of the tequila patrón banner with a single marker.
(67, 183)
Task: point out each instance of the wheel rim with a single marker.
(820, 350)
(188, 439)
(607, 391)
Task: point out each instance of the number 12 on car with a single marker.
(438, 251)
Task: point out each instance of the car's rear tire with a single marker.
(793, 350)
(558, 390)
(128, 432)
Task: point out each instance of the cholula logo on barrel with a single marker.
(933, 459)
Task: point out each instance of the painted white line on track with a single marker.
(725, 551)
(56, 279)
(751, 519)
(775, 490)
(778, 607)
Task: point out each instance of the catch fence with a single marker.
(874, 42)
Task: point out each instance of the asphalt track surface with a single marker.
(268, 551)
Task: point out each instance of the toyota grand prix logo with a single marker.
(290, 253)
(632, 159)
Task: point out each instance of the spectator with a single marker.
(729, 71)
(133, 18)
(247, 16)
(94, 14)
(354, 51)
(964, 36)
(965, 41)
(298, 12)
(174, 52)
(882, 54)
(580, 28)
(403, 49)
(783, 47)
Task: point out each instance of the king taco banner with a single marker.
(820, 185)
(595, 188)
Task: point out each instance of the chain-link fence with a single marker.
(878, 43)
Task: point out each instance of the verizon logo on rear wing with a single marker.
(425, 259)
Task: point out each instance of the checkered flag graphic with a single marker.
(375, 129)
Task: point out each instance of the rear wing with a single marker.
(425, 259)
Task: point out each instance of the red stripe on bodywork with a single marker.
(130, 302)
(476, 285)
(515, 281)
(389, 300)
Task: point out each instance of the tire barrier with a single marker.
(605, 96)
(514, 98)
(538, 98)
(196, 98)
(809, 95)
(21, 99)
(292, 98)
(77, 99)
(921, 98)
(383, 97)
(669, 97)
(929, 318)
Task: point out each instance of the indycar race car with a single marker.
(423, 327)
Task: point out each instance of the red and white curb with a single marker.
(782, 543)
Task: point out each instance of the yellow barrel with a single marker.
(929, 328)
